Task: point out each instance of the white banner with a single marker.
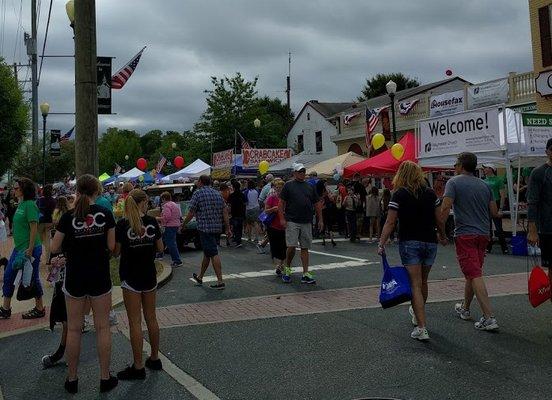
(538, 130)
(446, 103)
(223, 159)
(474, 131)
(252, 157)
(488, 94)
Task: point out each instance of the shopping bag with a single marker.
(26, 292)
(395, 285)
(266, 218)
(539, 286)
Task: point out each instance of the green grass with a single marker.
(114, 269)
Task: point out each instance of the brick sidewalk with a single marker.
(315, 302)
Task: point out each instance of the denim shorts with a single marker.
(414, 252)
(209, 243)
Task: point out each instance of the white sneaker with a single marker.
(486, 324)
(411, 312)
(419, 334)
(462, 312)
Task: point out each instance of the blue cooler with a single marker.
(519, 244)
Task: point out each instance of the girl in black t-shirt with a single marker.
(86, 235)
(138, 238)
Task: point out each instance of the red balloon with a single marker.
(178, 162)
(142, 164)
(448, 72)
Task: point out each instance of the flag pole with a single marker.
(235, 147)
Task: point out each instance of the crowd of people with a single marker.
(76, 234)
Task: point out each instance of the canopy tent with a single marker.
(384, 163)
(194, 170)
(103, 177)
(326, 169)
(132, 174)
(286, 166)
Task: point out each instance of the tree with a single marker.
(275, 120)
(14, 117)
(375, 86)
(150, 142)
(28, 162)
(114, 145)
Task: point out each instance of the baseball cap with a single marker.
(549, 144)
(269, 177)
(489, 165)
(298, 167)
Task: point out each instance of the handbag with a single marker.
(26, 293)
(395, 285)
(539, 286)
(266, 218)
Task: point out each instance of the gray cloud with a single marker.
(335, 46)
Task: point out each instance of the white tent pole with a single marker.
(509, 177)
(518, 133)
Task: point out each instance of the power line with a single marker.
(19, 28)
(45, 39)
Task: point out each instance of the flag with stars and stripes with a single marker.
(372, 119)
(406, 106)
(347, 119)
(122, 76)
(67, 136)
(161, 163)
(244, 144)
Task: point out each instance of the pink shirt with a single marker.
(171, 214)
(272, 201)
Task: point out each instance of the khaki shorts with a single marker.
(299, 233)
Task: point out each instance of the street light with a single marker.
(44, 109)
(173, 145)
(391, 88)
(257, 123)
(126, 157)
(70, 10)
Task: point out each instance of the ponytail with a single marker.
(82, 207)
(132, 211)
(88, 187)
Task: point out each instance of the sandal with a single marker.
(5, 314)
(34, 313)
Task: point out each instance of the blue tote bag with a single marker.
(395, 285)
(266, 218)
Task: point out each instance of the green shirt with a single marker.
(496, 183)
(27, 212)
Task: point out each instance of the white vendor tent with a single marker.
(132, 174)
(286, 166)
(194, 170)
(327, 169)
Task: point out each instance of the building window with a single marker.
(545, 35)
(318, 137)
(308, 116)
(300, 143)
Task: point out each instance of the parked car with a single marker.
(181, 194)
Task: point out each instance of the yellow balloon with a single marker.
(378, 140)
(263, 167)
(397, 151)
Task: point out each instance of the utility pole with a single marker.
(86, 95)
(288, 83)
(32, 51)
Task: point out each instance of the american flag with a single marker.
(122, 76)
(67, 136)
(372, 119)
(161, 163)
(406, 106)
(244, 144)
(347, 119)
(117, 169)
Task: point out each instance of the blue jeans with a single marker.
(169, 237)
(9, 273)
(414, 252)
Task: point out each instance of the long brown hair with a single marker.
(411, 177)
(132, 210)
(87, 187)
(62, 205)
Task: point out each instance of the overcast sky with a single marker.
(335, 46)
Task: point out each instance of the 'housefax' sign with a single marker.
(473, 131)
(537, 129)
(446, 103)
(252, 157)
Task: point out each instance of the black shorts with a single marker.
(545, 244)
(209, 243)
(88, 283)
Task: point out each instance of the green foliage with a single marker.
(375, 86)
(114, 145)
(29, 163)
(14, 117)
(150, 143)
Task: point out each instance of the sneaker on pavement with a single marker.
(131, 373)
(278, 272)
(308, 279)
(155, 365)
(419, 334)
(47, 361)
(286, 276)
(486, 324)
(177, 264)
(411, 312)
(198, 281)
(238, 245)
(218, 286)
(5, 314)
(462, 312)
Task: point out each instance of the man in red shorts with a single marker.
(473, 205)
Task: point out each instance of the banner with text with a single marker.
(538, 130)
(446, 103)
(488, 94)
(252, 157)
(474, 131)
(223, 159)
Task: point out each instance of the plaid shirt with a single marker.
(207, 204)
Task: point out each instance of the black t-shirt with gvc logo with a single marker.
(137, 265)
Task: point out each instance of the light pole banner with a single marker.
(252, 157)
(473, 131)
(446, 103)
(55, 139)
(103, 70)
(488, 94)
(223, 159)
(537, 129)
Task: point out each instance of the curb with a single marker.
(164, 277)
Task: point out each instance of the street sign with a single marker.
(55, 146)
(543, 83)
